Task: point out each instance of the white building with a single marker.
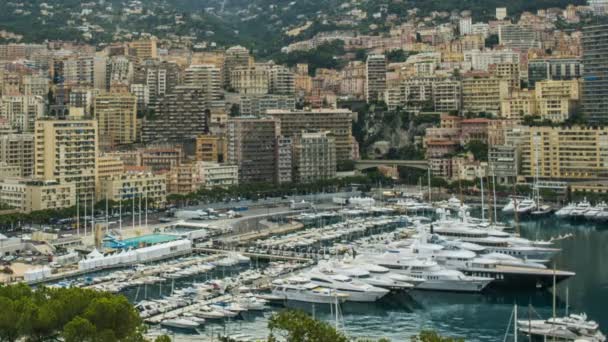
(465, 25)
(481, 60)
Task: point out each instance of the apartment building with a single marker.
(145, 48)
(66, 151)
(18, 150)
(376, 77)
(314, 157)
(27, 195)
(284, 157)
(235, 57)
(337, 121)
(250, 80)
(180, 115)
(211, 148)
(134, 185)
(21, 111)
(252, 146)
(595, 73)
(259, 104)
(482, 92)
(116, 114)
(282, 80)
(218, 175)
(564, 153)
(208, 78)
(554, 69)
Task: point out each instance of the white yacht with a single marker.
(359, 273)
(435, 277)
(593, 212)
(571, 328)
(302, 290)
(580, 209)
(566, 210)
(454, 204)
(180, 323)
(356, 290)
(511, 206)
(497, 241)
(526, 206)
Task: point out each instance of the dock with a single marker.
(259, 256)
(158, 318)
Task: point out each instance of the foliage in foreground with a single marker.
(74, 315)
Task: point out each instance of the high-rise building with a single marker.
(554, 69)
(465, 25)
(159, 77)
(599, 7)
(252, 147)
(429, 93)
(180, 115)
(595, 73)
(337, 121)
(208, 78)
(518, 37)
(482, 92)
(160, 158)
(18, 150)
(35, 85)
(284, 160)
(145, 48)
(314, 157)
(376, 77)
(564, 153)
(116, 114)
(21, 111)
(282, 80)
(236, 56)
(82, 97)
(66, 151)
(259, 104)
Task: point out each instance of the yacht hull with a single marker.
(511, 280)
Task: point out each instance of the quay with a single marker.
(258, 256)
(158, 318)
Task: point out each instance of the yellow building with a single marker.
(145, 48)
(116, 114)
(508, 71)
(557, 99)
(519, 104)
(107, 167)
(482, 92)
(211, 148)
(66, 151)
(27, 195)
(136, 185)
(564, 152)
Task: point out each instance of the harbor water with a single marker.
(475, 317)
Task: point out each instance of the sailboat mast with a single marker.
(77, 217)
(515, 323)
(483, 214)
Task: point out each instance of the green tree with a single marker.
(297, 326)
(478, 148)
(79, 330)
(163, 338)
(431, 336)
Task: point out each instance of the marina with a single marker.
(375, 261)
